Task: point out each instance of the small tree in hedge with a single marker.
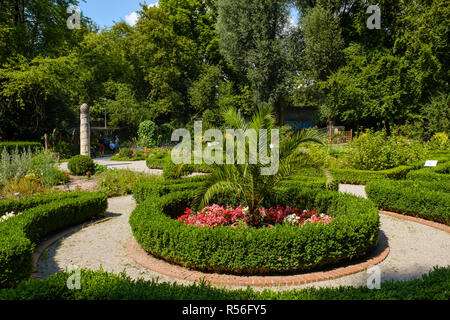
(246, 179)
(148, 133)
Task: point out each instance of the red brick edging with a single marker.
(140, 256)
(54, 238)
(428, 223)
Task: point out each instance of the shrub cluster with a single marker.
(40, 216)
(11, 146)
(99, 285)
(283, 248)
(116, 183)
(427, 200)
(378, 151)
(79, 165)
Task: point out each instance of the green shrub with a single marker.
(125, 153)
(148, 134)
(40, 216)
(174, 171)
(438, 174)
(165, 133)
(352, 234)
(79, 165)
(15, 165)
(440, 141)
(44, 166)
(377, 151)
(11, 146)
(115, 183)
(100, 285)
(427, 200)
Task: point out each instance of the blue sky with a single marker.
(106, 12)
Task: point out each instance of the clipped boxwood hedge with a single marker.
(40, 216)
(352, 176)
(99, 285)
(11, 146)
(441, 173)
(352, 234)
(427, 200)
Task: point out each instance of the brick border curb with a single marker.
(141, 257)
(54, 238)
(428, 223)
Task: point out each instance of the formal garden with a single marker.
(105, 212)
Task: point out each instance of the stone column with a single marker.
(85, 131)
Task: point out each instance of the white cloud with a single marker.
(132, 18)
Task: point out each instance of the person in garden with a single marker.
(116, 141)
(101, 144)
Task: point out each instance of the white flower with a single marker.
(292, 219)
(7, 216)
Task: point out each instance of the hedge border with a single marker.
(100, 285)
(141, 257)
(226, 250)
(20, 145)
(426, 200)
(40, 217)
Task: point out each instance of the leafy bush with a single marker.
(125, 153)
(15, 165)
(22, 188)
(165, 133)
(65, 150)
(377, 151)
(439, 174)
(115, 183)
(100, 285)
(44, 166)
(148, 134)
(79, 165)
(440, 141)
(174, 171)
(427, 200)
(20, 146)
(352, 234)
(40, 216)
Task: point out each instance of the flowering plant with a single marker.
(8, 216)
(215, 216)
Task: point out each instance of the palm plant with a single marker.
(246, 179)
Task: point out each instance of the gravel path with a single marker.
(415, 249)
(139, 166)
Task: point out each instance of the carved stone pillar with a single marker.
(85, 131)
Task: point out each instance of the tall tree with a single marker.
(253, 37)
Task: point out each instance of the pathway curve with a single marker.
(414, 249)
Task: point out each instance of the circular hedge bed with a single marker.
(248, 251)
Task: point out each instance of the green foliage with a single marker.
(15, 165)
(148, 134)
(115, 183)
(253, 39)
(353, 233)
(40, 216)
(247, 179)
(440, 141)
(323, 42)
(174, 171)
(99, 285)
(427, 200)
(20, 146)
(165, 132)
(79, 165)
(44, 165)
(377, 151)
(353, 176)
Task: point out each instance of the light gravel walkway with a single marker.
(139, 166)
(415, 250)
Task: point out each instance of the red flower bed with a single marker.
(216, 216)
